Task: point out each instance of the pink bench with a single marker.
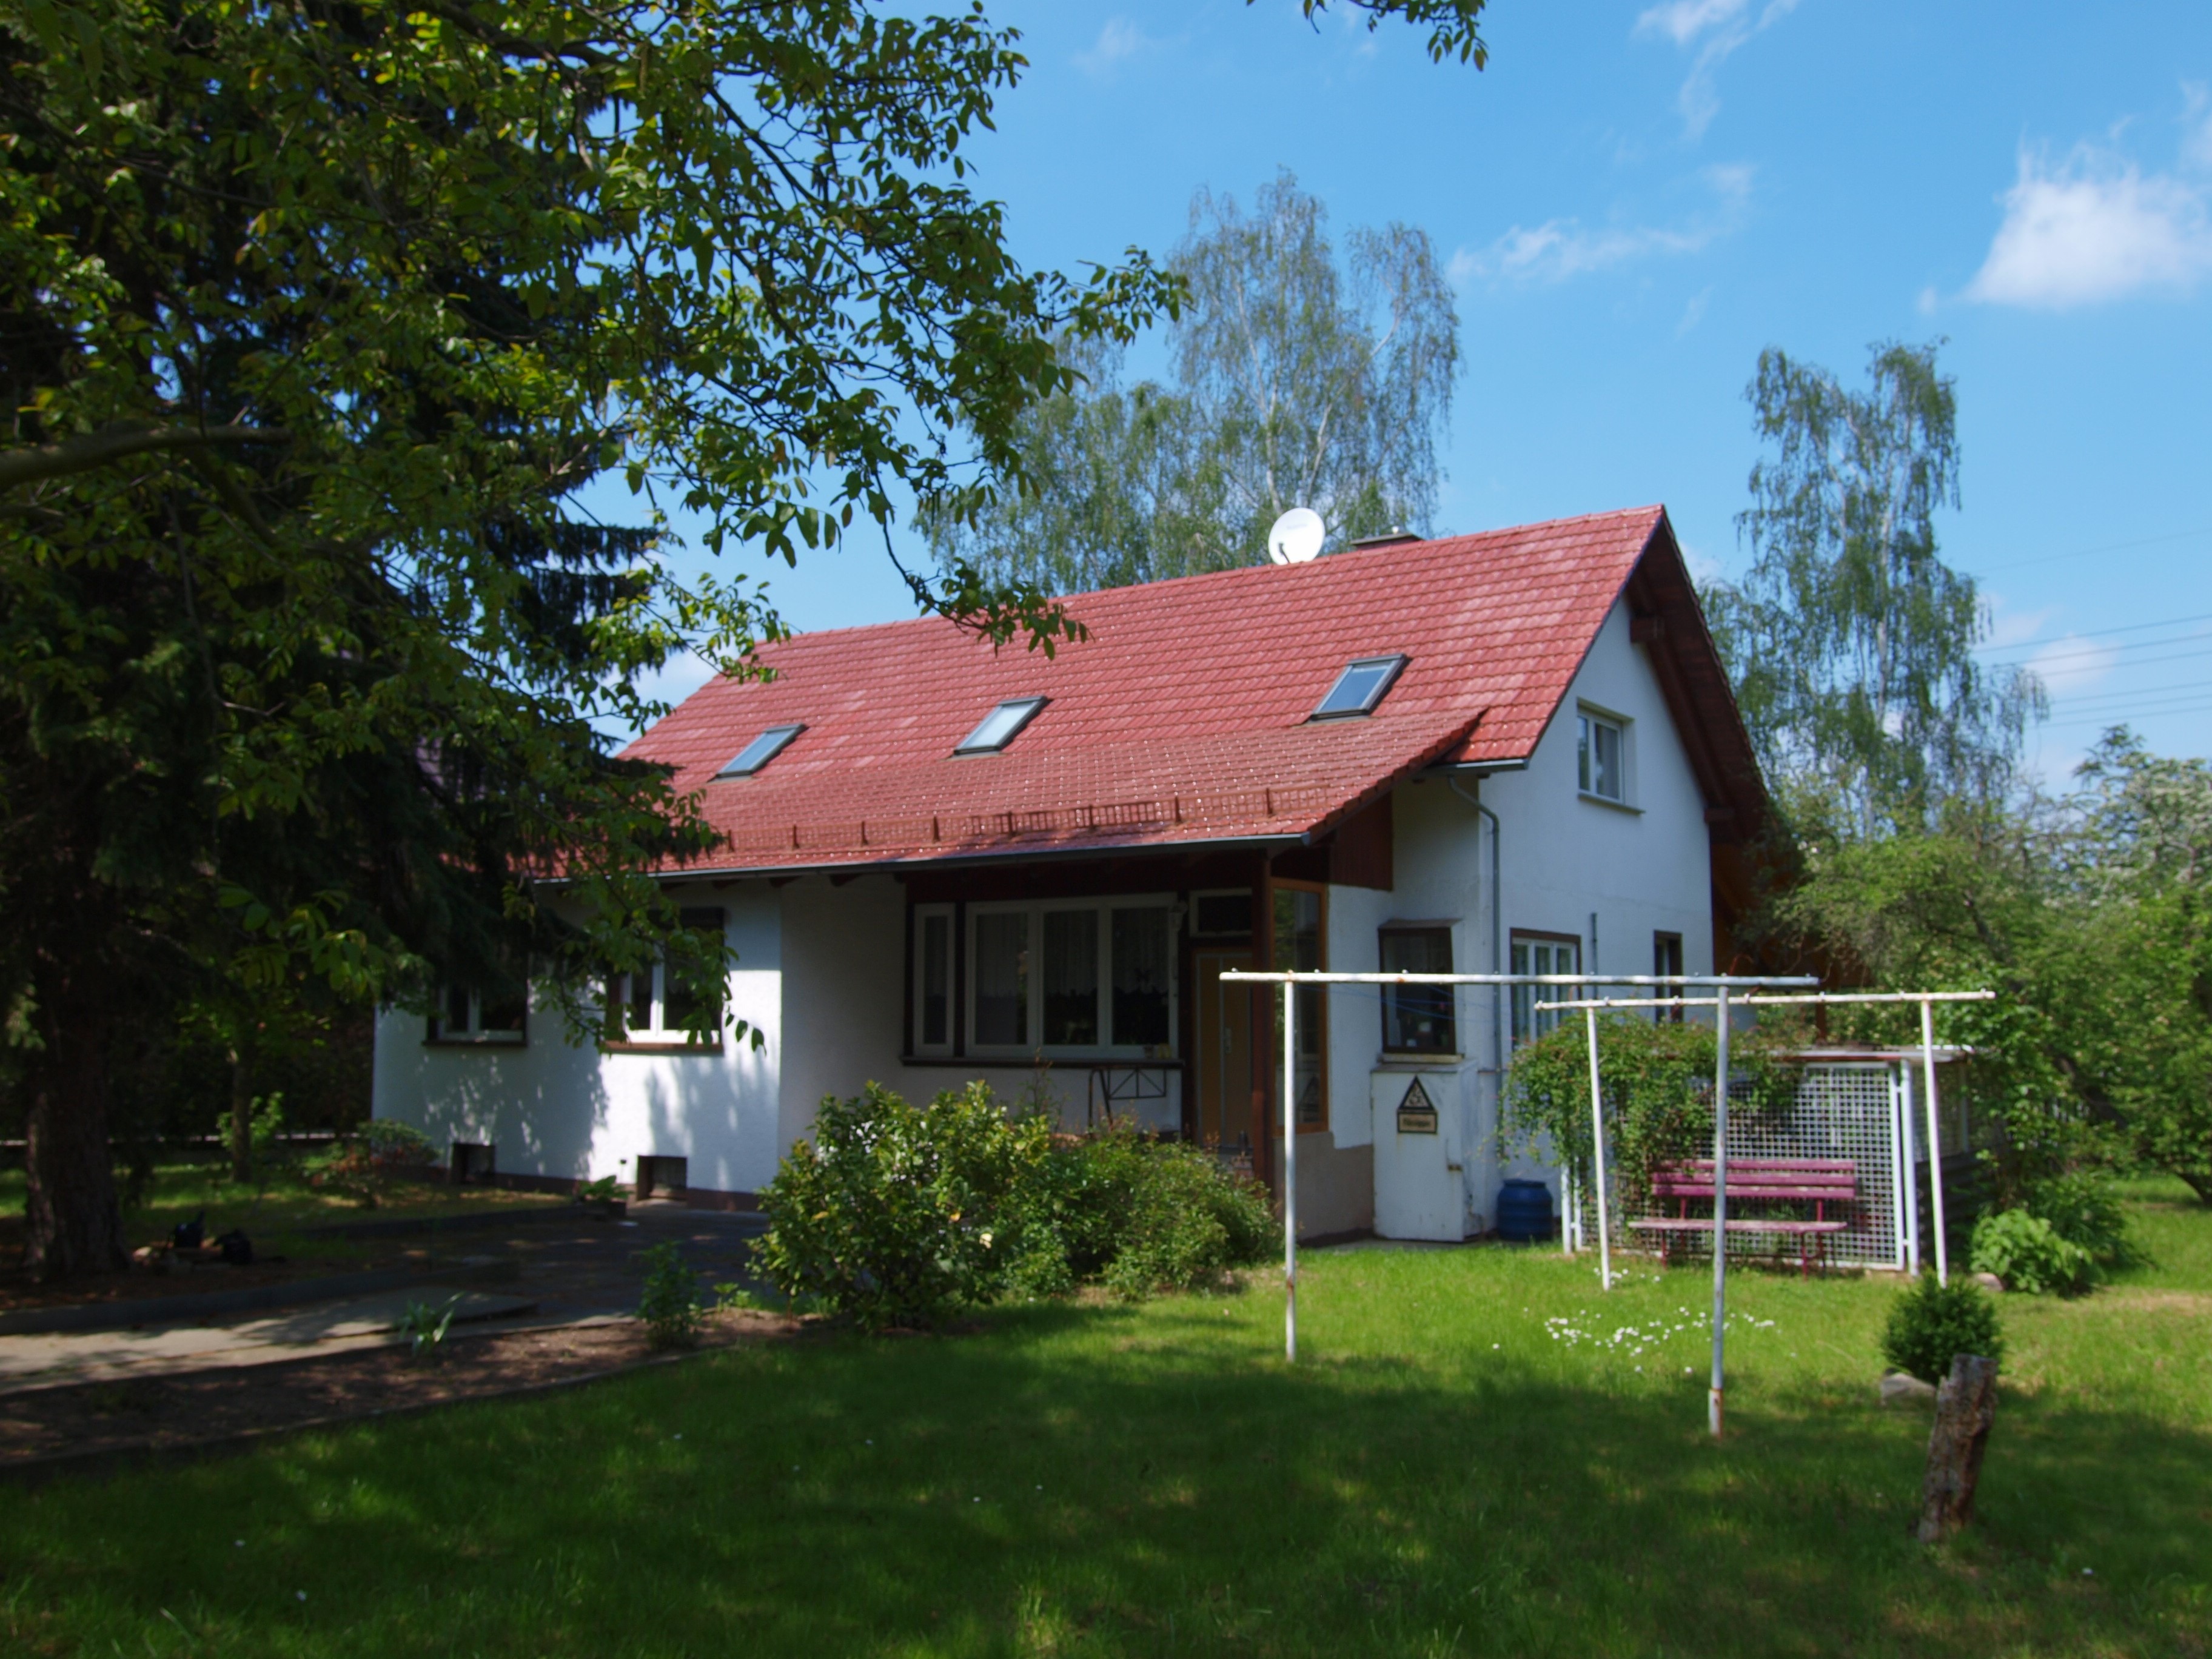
(1819, 1181)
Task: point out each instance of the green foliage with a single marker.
(1298, 382)
(425, 1327)
(1931, 1323)
(2083, 1207)
(2089, 915)
(1138, 1216)
(896, 1215)
(2030, 1254)
(1852, 642)
(604, 1190)
(1656, 1076)
(394, 1145)
(899, 1215)
(669, 1305)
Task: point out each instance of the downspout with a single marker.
(1497, 929)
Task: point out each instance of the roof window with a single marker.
(1360, 688)
(760, 751)
(1001, 726)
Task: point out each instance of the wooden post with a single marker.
(1965, 1406)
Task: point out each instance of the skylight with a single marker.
(760, 751)
(1001, 726)
(1360, 688)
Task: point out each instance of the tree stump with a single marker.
(1965, 1406)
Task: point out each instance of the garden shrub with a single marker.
(2030, 1254)
(1658, 1078)
(1138, 1216)
(2082, 1209)
(1931, 1323)
(669, 1305)
(895, 1214)
(357, 1165)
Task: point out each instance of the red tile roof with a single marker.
(1182, 719)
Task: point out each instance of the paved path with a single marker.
(366, 1321)
(587, 1274)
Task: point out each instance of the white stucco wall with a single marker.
(1638, 869)
(555, 1109)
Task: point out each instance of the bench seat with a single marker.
(1819, 1181)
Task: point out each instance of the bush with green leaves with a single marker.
(1138, 1216)
(392, 1145)
(896, 1215)
(2031, 1255)
(1657, 1081)
(670, 1306)
(2081, 1208)
(1931, 1323)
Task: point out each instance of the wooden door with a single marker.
(1224, 1051)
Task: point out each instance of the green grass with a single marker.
(1438, 1474)
(180, 1188)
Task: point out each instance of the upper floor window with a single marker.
(760, 751)
(1001, 727)
(1601, 756)
(1542, 953)
(1358, 687)
(1418, 1020)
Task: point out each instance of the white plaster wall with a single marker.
(1640, 869)
(555, 1109)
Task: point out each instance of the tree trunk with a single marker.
(241, 1115)
(74, 1222)
(2201, 1185)
(1965, 1406)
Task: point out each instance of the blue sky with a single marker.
(1636, 199)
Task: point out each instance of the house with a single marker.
(1514, 750)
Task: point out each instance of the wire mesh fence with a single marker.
(1838, 1110)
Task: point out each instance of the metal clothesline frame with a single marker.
(1592, 1006)
(1719, 984)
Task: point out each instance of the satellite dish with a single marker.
(1297, 537)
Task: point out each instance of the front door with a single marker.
(1224, 1051)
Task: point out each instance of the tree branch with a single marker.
(93, 450)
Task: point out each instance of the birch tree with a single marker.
(1303, 377)
(1851, 642)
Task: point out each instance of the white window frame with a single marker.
(923, 914)
(1527, 1023)
(442, 1030)
(660, 1034)
(1103, 907)
(1588, 718)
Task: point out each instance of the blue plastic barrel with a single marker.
(1524, 1212)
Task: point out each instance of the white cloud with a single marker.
(1117, 42)
(1560, 248)
(2096, 227)
(2072, 664)
(1717, 28)
(1694, 312)
(1927, 302)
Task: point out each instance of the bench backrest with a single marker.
(1823, 1178)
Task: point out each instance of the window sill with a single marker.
(1617, 805)
(676, 1046)
(475, 1042)
(1029, 1057)
(1405, 1060)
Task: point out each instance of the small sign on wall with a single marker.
(1417, 1112)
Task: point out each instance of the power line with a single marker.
(2069, 699)
(2084, 552)
(2198, 655)
(2100, 633)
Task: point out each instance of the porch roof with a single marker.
(1183, 718)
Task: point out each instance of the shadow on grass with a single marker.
(1133, 1481)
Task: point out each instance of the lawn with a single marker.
(1452, 1468)
(271, 1213)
